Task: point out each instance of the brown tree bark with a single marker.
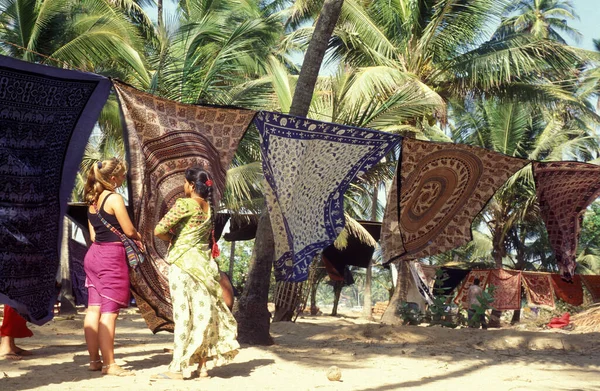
(159, 9)
(390, 316)
(250, 310)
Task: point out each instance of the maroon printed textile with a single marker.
(437, 192)
(507, 295)
(564, 190)
(569, 292)
(592, 283)
(538, 288)
(165, 138)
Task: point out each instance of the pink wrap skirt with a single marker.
(107, 276)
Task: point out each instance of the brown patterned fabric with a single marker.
(443, 186)
(165, 138)
(507, 295)
(592, 283)
(564, 190)
(462, 296)
(538, 288)
(569, 292)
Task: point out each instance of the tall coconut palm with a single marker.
(546, 19)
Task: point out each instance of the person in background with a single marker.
(473, 294)
(205, 329)
(105, 264)
(13, 326)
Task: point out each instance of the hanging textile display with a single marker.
(570, 292)
(462, 296)
(77, 253)
(592, 283)
(308, 165)
(564, 190)
(507, 295)
(538, 289)
(46, 117)
(440, 189)
(165, 138)
(423, 281)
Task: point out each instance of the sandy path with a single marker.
(371, 357)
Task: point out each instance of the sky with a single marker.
(588, 23)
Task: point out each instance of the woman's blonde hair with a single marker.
(98, 178)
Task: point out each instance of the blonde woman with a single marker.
(105, 264)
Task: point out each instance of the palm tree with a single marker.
(545, 19)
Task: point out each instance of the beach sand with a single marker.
(370, 356)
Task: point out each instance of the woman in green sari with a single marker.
(205, 329)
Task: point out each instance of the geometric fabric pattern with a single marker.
(308, 166)
(164, 138)
(538, 288)
(507, 295)
(46, 117)
(564, 190)
(442, 188)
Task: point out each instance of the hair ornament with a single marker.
(99, 164)
(209, 183)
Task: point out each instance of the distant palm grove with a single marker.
(493, 73)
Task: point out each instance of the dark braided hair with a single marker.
(201, 180)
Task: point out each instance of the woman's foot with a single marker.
(10, 356)
(23, 352)
(115, 370)
(167, 376)
(202, 371)
(95, 365)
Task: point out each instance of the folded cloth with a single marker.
(559, 323)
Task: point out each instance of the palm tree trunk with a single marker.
(231, 260)
(300, 104)
(337, 292)
(251, 311)
(313, 58)
(159, 8)
(495, 315)
(368, 300)
(390, 316)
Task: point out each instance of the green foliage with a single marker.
(410, 314)
(485, 303)
(439, 311)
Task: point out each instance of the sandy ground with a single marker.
(371, 357)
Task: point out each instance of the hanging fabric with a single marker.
(308, 165)
(538, 289)
(164, 138)
(570, 292)
(438, 190)
(462, 296)
(46, 117)
(564, 190)
(592, 283)
(507, 295)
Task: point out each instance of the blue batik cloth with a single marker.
(308, 166)
(46, 117)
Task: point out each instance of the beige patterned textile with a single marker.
(564, 190)
(443, 186)
(538, 287)
(164, 138)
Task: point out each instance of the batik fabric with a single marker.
(564, 190)
(308, 165)
(46, 117)
(165, 138)
(462, 297)
(570, 292)
(204, 326)
(592, 283)
(538, 289)
(507, 295)
(77, 253)
(438, 190)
